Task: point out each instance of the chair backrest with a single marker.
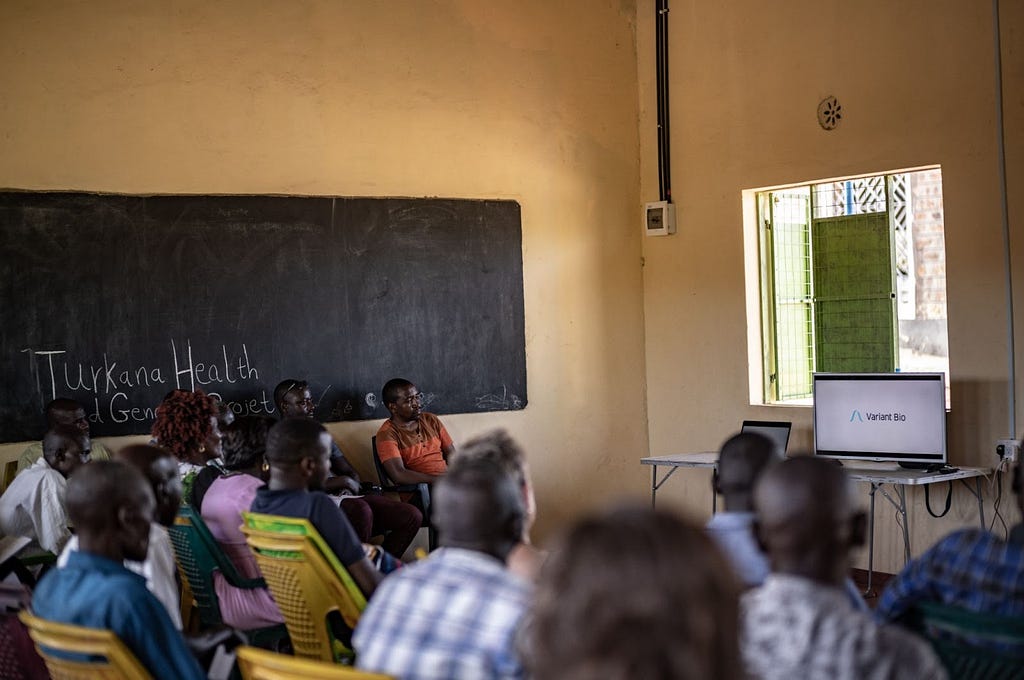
(79, 653)
(382, 475)
(10, 469)
(307, 580)
(969, 644)
(259, 664)
(198, 556)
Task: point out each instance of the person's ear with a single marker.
(858, 529)
(307, 465)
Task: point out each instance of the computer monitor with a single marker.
(897, 417)
(777, 431)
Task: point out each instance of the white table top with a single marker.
(880, 473)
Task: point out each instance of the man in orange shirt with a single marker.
(413, 445)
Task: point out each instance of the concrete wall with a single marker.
(528, 100)
(917, 86)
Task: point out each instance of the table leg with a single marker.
(981, 504)
(654, 486)
(906, 528)
(714, 501)
(871, 542)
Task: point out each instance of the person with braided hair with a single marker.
(186, 426)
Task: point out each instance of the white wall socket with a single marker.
(1008, 449)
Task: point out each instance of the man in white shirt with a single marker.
(159, 569)
(33, 505)
(800, 623)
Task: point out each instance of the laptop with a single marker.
(777, 431)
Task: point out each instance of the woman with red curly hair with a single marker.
(186, 425)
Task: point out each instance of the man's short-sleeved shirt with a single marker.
(792, 627)
(421, 451)
(322, 512)
(453, 615)
(95, 592)
(34, 506)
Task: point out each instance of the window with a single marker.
(852, 276)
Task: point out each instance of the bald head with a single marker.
(807, 518)
(478, 506)
(742, 459)
(160, 469)
(111, 506)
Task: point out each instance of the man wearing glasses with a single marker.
(413, 445)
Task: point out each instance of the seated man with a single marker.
(63, 412)
(412, 444)
(970, 568)
(454, 614)
(370, 515)
(525, 560)
(95, 589)
(34, 503)
(799, 623)
(298, 450)
(159, 569)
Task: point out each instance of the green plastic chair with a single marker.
(971, 645)
(199, 555)
(309, 584)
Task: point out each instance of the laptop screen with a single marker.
(777, 431)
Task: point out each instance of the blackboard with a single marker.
(114, 300)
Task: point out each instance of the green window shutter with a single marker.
(854, 294)
(792, 294)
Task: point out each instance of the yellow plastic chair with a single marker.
(259, 664)
(113, 660)
(307, 582)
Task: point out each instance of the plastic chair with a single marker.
(307, 582)
(98, 653)
(258, 664)
(420, 493)
(199, 555)
(971, 645)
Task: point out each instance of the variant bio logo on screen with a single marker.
(892, 417)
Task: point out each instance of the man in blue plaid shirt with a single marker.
(454, 614)
(971, 569)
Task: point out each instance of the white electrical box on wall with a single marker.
(659, 218)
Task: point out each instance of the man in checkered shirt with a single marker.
(455, 613)
(971, 569)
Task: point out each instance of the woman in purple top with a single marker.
(227, 498)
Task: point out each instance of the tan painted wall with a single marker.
(917, 86)
(529, 100)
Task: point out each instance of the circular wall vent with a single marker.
(830, 112)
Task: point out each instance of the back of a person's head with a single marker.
(476, 505)
(245, 442)
(292, 439)
(741, 460)
(497, 447)
(97, 492)
(634, 593)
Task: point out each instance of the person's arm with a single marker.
(911, 585)
(447, 445)
(365, 575)
(345, 479)
(400, 474)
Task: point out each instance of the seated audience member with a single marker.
(799, 623)
(186, 425)
(370, 515)
(245, 443)
(298, 450)
(634, 593)
(95, 589)
(740, 462)
(159, 568)
(970, 568)
(34, 504)
(412, 444)
(63, 412)
(454, 614)
(524, 560)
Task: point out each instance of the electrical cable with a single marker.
(949, 500)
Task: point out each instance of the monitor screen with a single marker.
(881, 416)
